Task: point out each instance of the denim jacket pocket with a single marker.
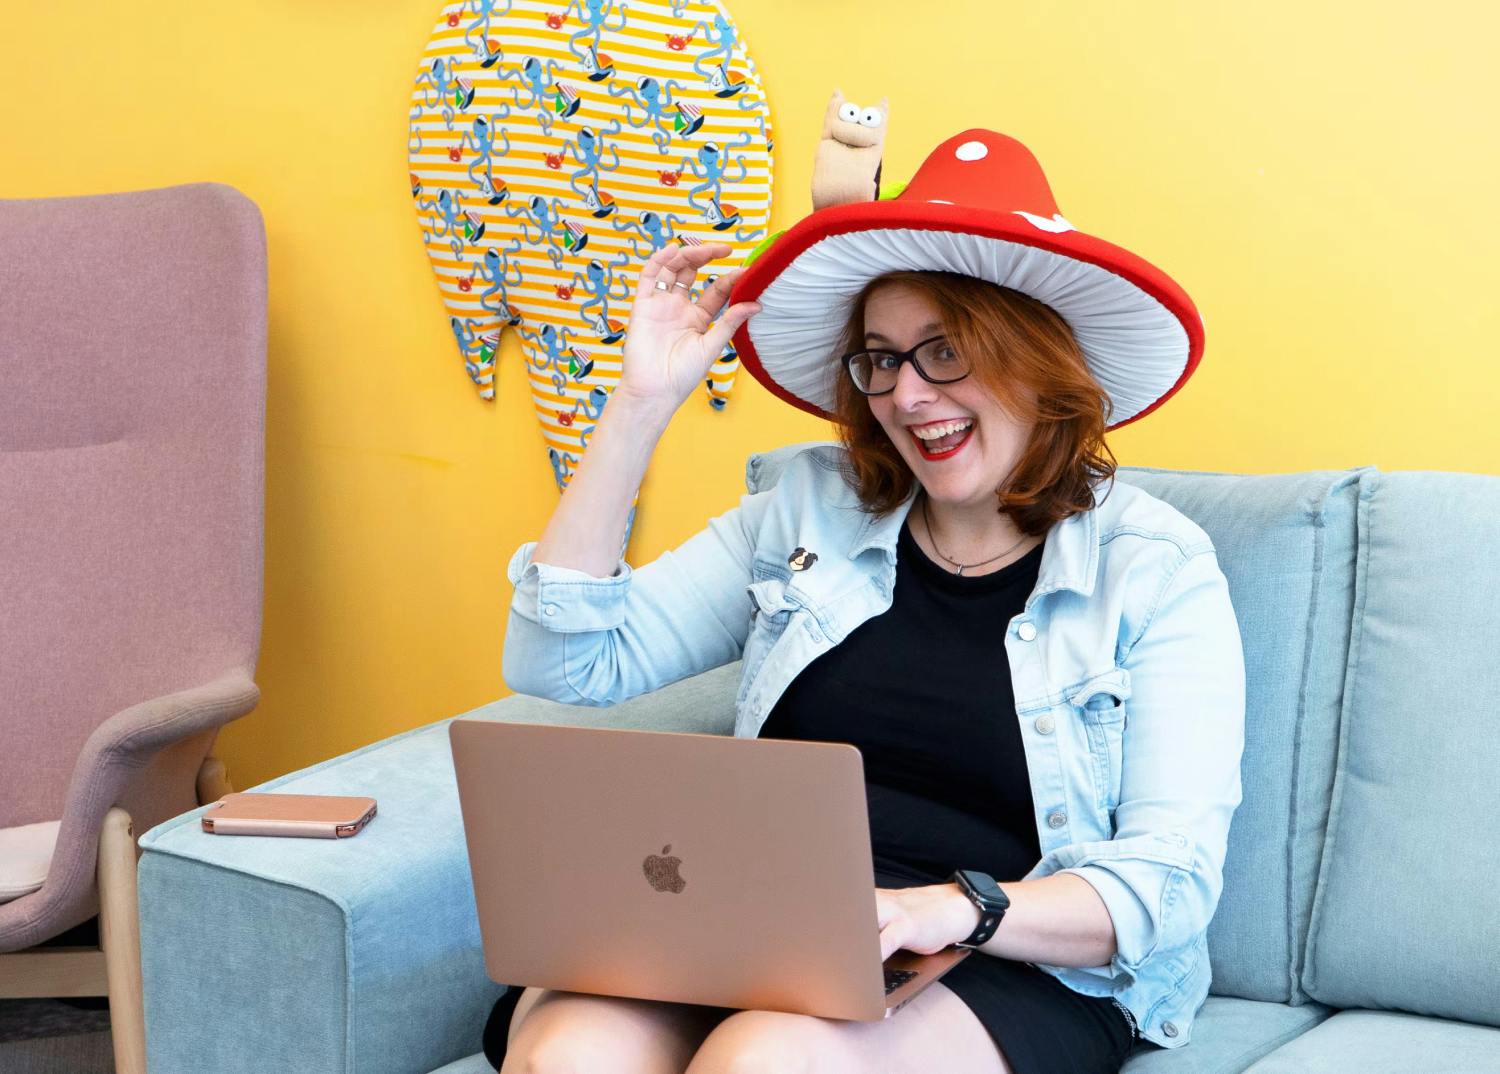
(771, 606)
(1099, 703)
(771, 610)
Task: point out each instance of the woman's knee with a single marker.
(762, 1042)
(567, 1032)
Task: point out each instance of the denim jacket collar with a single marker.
(1070, 558)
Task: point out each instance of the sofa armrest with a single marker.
(350, 955)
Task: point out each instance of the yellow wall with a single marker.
(1323, 185)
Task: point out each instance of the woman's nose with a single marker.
(911, 391)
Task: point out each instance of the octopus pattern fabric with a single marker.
(552, 149)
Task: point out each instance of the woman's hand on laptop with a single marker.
(923, 919)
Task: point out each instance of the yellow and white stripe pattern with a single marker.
(552, 147)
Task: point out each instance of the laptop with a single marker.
(696, 868)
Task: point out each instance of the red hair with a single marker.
(1011, 340)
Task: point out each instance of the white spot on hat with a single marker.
(940, 201)
(1056, 225)
(972, 151)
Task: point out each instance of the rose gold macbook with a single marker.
(728, 872)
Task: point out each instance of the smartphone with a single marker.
(308, 816)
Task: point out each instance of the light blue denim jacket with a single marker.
(1126, 663)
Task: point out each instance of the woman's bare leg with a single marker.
(935, 1031)
(553, 1030)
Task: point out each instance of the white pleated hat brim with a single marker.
(1136, 348)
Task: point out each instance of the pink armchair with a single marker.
(132, 430)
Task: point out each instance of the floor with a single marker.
(49, 1036)
(57, 1036)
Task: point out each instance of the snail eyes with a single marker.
(871, 117)
(849, 112)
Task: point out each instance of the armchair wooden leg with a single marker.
(213, 782)
(120, 937)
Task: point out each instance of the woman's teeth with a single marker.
(943, 438)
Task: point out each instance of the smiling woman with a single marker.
(962, 591)
(1026, 372)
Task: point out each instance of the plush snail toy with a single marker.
(847, 166)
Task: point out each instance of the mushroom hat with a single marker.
(979, 205)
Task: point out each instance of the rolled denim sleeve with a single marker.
(564, 599)
(583, 640)
(1161, 875)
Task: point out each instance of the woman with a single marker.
(1040, 665)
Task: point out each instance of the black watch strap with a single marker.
(986, 894)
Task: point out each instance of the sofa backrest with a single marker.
(1287, 544)
(1407, 913)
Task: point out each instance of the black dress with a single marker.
(924, 691)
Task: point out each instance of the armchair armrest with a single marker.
(114, 762)
(351, 955)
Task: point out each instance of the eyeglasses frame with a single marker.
(901, 357)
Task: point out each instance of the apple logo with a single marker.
(662, 871)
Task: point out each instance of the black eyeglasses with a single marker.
(935, 360)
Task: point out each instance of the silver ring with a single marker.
(683, 285)
(662, 286)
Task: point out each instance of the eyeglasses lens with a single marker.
(875, 372)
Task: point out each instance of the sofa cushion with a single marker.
(1228, 1036)
(25, 856)
(474, 1064)
(1407, 914)
(362, 953)
(1287, 544)
(1381, 1042)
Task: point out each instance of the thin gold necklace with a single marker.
(927, 524)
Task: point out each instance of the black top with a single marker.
(924, 691)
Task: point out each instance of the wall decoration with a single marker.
(553, 147)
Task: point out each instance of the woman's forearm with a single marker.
(1059, 920)
(587, 529)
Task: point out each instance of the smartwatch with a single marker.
(984, 893)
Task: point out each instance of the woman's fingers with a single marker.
(678, 265)
(717, 337)
(717, 293)
(654, 269)
(689, 259)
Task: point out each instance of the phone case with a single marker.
(307, 816)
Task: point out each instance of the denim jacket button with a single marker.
(1057, 819)
(550, 609)
(1044, 724)
(1027, 631)
(1168, 1029)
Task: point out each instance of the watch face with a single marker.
(985, 886)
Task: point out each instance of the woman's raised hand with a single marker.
(672, 340)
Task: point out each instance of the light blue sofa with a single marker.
(1359, 929)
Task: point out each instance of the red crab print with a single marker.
(466, 284)
(555, 20)
(456, 154)
(564, 291)
(453, 18)
(553, 160)
(670, 178)
(676, 42)
(564, 417)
